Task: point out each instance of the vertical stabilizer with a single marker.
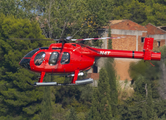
(148, 46)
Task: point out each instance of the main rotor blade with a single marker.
(88, 47)
(67, 39)
(35, 39)
(97, 38)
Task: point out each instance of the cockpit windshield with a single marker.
(30, 54)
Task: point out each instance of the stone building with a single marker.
(132, 38)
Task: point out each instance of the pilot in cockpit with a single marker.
(40, 58)
(65, 58)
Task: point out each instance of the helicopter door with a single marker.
(65, 58)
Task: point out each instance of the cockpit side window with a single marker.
(39, 58)
(53, 58)
(65, 58)
(30, 54)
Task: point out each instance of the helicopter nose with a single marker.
(25, 63)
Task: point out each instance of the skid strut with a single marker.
(74, 81)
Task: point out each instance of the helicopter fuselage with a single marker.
(78, 56)
(75, 57)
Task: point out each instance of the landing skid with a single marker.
(78, 82)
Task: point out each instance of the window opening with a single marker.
(158, 43)
(95, 69)
(142, 39)
(65, 58)
(39, 58)
(53, 58)
(74, 45)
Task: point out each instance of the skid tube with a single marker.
(78, 82)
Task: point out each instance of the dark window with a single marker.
(95, 69)
(158, 43)
(142, 39)
(30, 54)
(74, 45)
(65, 58)
(56, 48)
(53, 58)
(39, 58)
(44, 48)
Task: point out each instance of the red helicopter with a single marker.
(73, 58)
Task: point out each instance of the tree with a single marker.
(113, 86)
(112, 79)
(155, 14)
(11, 7)
(132, 10)
(94, 111)
(59, 18)
(162, 79)
(17, 98)
(46, 108)
(101, 108)
(147, 83)
(63, 18)
(109, 40)
(100, 12)
(72, 115)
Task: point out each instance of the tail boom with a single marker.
(146, 54)
(128, 54)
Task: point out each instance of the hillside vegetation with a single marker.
(81, 19)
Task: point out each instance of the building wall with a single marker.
(126, 43)
(140, 43)
(122, 66)
(155, 44)
(131, 34)
(130, 40)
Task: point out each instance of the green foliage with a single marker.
(79, 97)
(72, 115)
(101, 107)
(58, 19)
(146, 102)
(113, 85)
(141, 11)
(162, 65)
(112, 79)
(143, 73)
(46, 107)
(144, 69)
(132, 10)
(80, 18)
(17, 98)
(109, 40)
(11, 7)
